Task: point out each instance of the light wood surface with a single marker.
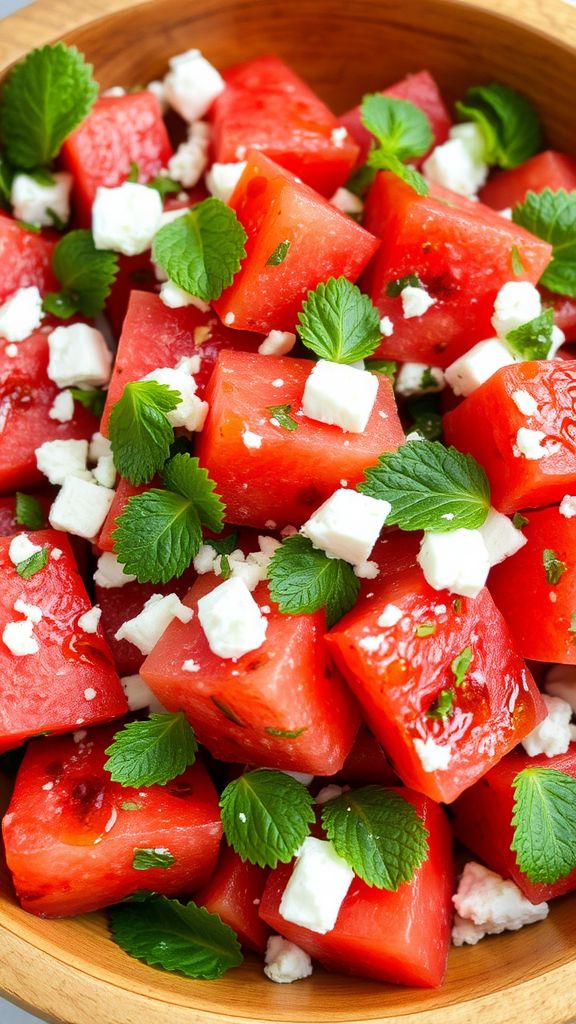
(70, 971)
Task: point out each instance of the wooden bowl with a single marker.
(69, 970)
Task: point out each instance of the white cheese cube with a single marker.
(110, 572)
(277, 343)
(32, 202)
(21, 314)
(491, 904)
(176, 298)
(99, 446)
(347, 525)
(317, 887)
(561, 682)
(62, 408)
(458, 164)
(500, 536)
(418, 379)
(140, 696)
(89, 621)
(78, 355)
(415, 301)
(192, 85)
(286, 962)
(221, 179)
(347, 202)
(232, 621)
(21, 548)
(191, 411)
(456, 561)
(517, 302)
(340, 395)
(477, 365)
(553, 735)
(59, 459)
(146, 628)
(125, 219)
(190, 160)
(434, 757)
(80, 507)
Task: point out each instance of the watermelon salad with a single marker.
(288, 515)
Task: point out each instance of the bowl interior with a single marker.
(70, 970)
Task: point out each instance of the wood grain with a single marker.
(69, 970)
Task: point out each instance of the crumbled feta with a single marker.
(285, 962)
(139, 695)
(418, 379)
(145, 629)
(62, 408)
(568, 506)
(386, 327)
(78, 355)
(347, 202)
(525, 403)
(458, 164)
(21, 548)
(561, 682)
(477, 365)
(115, 90)
(190, 160)
(500, 536)
(338, 136)
(434, 757)
(390, 616)
(189, 665)
(277, 343)
(99, 446)
(415, 301)
(231, 620)
(367, 570)
(506, 213)
(347, 525)
(21, 314)
(30, 611)
(192, 85)
(250, 439)
(19, 638)
(32, 202)
(191, 411)
(90, 693)
(340, 395)
(221, 179)
(529, 444)
(110, 572)
(126, 218)
(553, 735)
(304, 777)
(517, 302)
(105, 471)
(89, 620)
(176, 298)
(330, 792)
(229, 318)
(456, 561)
(156, 87)
(59, 459)
(317, 887)
(80, 507)
(11, 351)
(491, 904)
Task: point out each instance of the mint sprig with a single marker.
(303, 579)
(201, 251)
(544, 823)
(533, 339)
(139, 431)
(85, 273)
(402, 132)
(151, 752)
(430, 487)
(266, 816)
(33, 564)
(29, 512)
(44, 98)
(378, 833)
(552, 216)
(508, 122)
(149, 858)
(338, 322)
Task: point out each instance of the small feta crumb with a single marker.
(232, 621)
(190, 160)
(62, 408)
(229, 318)
(340, 395)
(277, 343)
(516, 303)
(418, 379)
(477, 365)
(145, 629)
(347, 525)
(552, 736)
(390, 616)
(48, 786)
(330, 792)
(60, 459)
(99, 446)
(561, 682)
(367, 570)
(500, 536)
(56, 554)
(139, 695)
(126, 218)
(78, 355)
(568, 506)
(338, 136)
(529, 444)
(192, 85)
(221, 179)
(525, 403)
(11, 351)
(506, 213)
(372, 644)
(191, 411)
(89, 621)
(90, 693)
(190, 665)
(110, 572)
(80, 507)
(317, 887)
(21, 314)
(386, 327)
(19, 636)
(415, 301)
(21, 548)
(456, 561)
(105, 471)
(285, 962)
(486, 904)
(32, 202)
(458, 164)
(347, 202)
(434, 757)
(30, 611)
(176, 298)
(251, 440)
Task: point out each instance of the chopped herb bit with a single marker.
(461, 664)
(425, 629)
(35, 563)
(279, 255)
(553, 567)
(144, 860)
(428, 379)
(29, 512)
(443, 706)
(282, 414)
(130, 805)
(286, 734)
(133, 172)
(385, 367)
(518, 520)
(518, 267)
(393, 288)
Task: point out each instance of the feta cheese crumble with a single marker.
(553, 735)
(62, 408)
(456, 561)
(221, 179)
(347, 525)
(277, 343)
(176, 298)
(501, 537)
(19, 636)
(386, 327)
(434, 757)
(340, 395)
(126, 218)
(529, 444)
(110, 572)
(418, 379)
(21, 314)
(80, 507)
(32, 201)
(477, 365)
(60, 459)
(525, 403)
(347, 202)
(458, 164)
(415, 301)
(78, 355)
(192, 85)
(390, 616)
(145, 629)
(568, 506)
(21, 548)
(190, 160)
(285, 962)
(191, 411)
(251, 440)
(140, 696)
(231, 619)
(516, 303)
(317, 887)
(486, 904)
(89, 620)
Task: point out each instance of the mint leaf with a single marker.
(6, 179)
(518, 520)
(29, 512)
(338, 322)
(508, 121)
(165, 186)
(461, 664)
(425, 629)
(139, 430)
(85, 273)
(378, 833)
(279, 255)
(443, 706)
(182, 938)
(224, 546)
(383, 161)
(151, 752)
(400, 127)
(35, 563)
(518, 267)
(552, 216)
(425, 482)
(285, 734)
(184, 475)
(553, 567)
(146, 859)
(266, 816)
(384, 367)
(202, 250)
(134, 171)
(282, 414)
(533, 339)
(44, 98)
(303, 579)
(93, 399)
(395, 287)
(544, 823)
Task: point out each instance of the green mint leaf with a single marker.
(57, 222)
(338, 322)
(285, 734)
(266, 816)
(202, 250)
(428, 380)
(223, 545)
(29, 512)
(553, 567)
(165, 186)
(157, 535)
(544, 823)
(133, 172)
(508, 121)
(44, 98)
(533, 339)
(139, 430)
(425, 483)
(400, 127)
(279, 255)
(85, 273)
(61, 304)
(184, 475)
(383, 161)
(6, 179)
(395, 287)
(151, 752)
(461, 664)
(34, 229)
(425, 629)
(518, 267)
(443, 706)
(35, 563)
(181, 938)
(360, 181)
(518, 520)
(130, 805)
(94, 400)
(384, 367)
(282, 414)
(303, 579)
(146, 859)
(552, 216)
(378, 833)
